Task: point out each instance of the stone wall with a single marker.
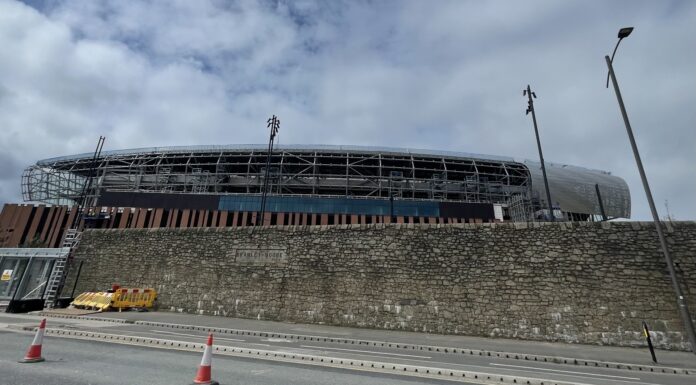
(573, 282)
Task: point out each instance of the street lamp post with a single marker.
(681, 301)
(530, 108)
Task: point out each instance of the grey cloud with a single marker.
(445, 75)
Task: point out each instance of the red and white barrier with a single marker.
(34, 352)
(204, 370)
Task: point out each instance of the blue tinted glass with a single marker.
(330, 205)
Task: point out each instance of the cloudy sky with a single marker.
(444, 75)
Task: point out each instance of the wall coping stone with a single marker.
(670, 226)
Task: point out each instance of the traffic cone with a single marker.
(34, 352)
(203, 375)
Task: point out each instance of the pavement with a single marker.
(409, 353)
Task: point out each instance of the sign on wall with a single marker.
(259, 256)
(6, 275)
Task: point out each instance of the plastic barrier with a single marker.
(91, 300)
(120, 298)
(129, 298)
(102, 301)
(83, 299)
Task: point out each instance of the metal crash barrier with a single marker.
(118, 298)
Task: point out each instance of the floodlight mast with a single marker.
(530, 108)
(681, 301)
(274, 124)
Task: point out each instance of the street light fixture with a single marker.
(623, 33)
(681, 301)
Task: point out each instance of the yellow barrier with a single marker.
(81, 300)
(84, 300)
(117, 299)
(128, 298)
(102, 301)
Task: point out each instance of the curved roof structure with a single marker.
(281, 147)
(330, 171)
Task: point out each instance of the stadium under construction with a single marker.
(320, 185)
(220, 186)
(224, 186)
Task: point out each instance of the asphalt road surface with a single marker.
(483, 364)
(75, 362)
(602, 353)
(150, 361)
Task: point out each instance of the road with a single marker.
(75, 362)
(579, 351)
(319, 346)
(475, 363)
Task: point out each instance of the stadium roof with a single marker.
(303, 147)
(286, 147)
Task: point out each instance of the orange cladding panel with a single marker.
(157, 218)
(185, 217)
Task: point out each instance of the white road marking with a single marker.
(278, 340)
(194, 335)
(364, 351)
(564, 371)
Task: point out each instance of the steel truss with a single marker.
(359, 174)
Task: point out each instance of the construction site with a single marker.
(246, 185)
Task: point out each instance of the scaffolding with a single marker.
(361, 172)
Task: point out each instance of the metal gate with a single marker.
(25, 273)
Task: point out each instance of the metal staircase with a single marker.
(57, 278)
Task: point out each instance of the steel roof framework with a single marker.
(294, 171)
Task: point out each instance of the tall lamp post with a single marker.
(530, 108)
(681, 301)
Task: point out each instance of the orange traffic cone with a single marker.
(34, 352)
(203, 375)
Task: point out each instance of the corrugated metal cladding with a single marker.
(44, 226)
(573, 189)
